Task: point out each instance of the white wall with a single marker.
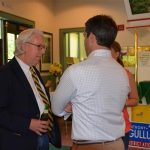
(52, 15)
(40, 11)
(74, 13)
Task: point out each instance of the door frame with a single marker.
(62, 41)
(4, 16)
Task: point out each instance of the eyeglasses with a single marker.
(39, 46)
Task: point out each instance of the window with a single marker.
(10, 27)
(75, 45)
(10, 45)
(72, 48)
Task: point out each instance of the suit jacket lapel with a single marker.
(22, 78)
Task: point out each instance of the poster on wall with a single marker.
(140, 135)
(138, 13)
(144, 66)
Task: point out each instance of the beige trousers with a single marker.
(115, 145)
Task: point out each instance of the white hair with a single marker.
(25, 36)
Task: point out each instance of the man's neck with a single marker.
(102, 47)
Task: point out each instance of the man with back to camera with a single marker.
(97, 89)
(21, 103)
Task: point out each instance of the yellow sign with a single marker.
(141, 113)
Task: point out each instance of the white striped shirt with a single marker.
(97, 88)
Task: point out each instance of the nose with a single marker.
(43, 50)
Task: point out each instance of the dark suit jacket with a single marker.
(17, 107)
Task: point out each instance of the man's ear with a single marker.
(23, 46)
(92, 37)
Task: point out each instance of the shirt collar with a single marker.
(23, 66)
(101, 52)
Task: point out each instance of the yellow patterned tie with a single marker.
(44, 98)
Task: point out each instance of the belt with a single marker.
(85, 142)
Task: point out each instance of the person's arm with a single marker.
(133, 95)
(63, 93)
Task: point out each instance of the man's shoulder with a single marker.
(9, 68)
(5, 67)
(77, 66)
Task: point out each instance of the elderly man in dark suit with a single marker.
(21, 105)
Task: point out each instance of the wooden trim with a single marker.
(16, 19)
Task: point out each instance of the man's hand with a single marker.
(68, 108)
(38, 126)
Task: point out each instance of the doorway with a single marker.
(10, 27)
(72, 48)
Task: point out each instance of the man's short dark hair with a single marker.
(104, 28)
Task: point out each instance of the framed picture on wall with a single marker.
(47, 58)
(138, 12)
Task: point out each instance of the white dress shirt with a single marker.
(28, 75)
(97, 88)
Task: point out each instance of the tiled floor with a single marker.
(65, 127)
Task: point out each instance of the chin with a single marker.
(36, 62)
